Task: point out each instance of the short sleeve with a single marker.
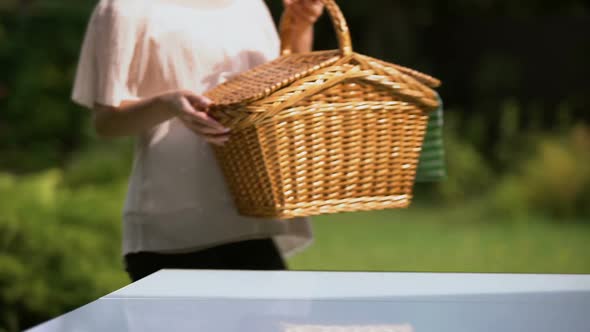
(104, 73)
(270, 30)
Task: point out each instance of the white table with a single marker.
(297, 301)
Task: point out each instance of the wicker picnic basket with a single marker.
(322, 132)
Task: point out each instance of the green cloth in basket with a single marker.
(432, 166)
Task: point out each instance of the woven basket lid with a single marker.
(265, 79)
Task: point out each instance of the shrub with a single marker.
(468, 173)
(553, 181)
(59, 246)
(100, 164)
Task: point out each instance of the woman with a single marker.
(143, 67)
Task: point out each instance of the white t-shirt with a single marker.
(177, 199)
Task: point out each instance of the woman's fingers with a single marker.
(211, 135)
(185, 107)
(191, 109)
(299, 14)
(206, 130)
(199, 117)
(312, 9)
(206, 120)
(305, 10)
(202, 103)
(217, 140)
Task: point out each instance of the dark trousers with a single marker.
(244, 255)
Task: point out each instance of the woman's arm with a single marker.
(305, 13)
(132, 118)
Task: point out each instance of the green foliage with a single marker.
(39, 126)
(535, 172)
(558, 176)
(102, 164)
(468, 173)
(59, 247)
(553, 181)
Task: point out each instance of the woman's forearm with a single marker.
(302, 39)
(302, 15)
(131, 118)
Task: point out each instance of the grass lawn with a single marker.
(428, 239)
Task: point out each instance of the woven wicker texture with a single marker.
(322, 132)
(268, 78)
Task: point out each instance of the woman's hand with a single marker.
(191, 109)
(132, 118)
(305, 12)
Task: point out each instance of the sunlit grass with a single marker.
(428, 239)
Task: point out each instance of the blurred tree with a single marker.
(39, 126)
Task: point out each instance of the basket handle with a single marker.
(338, 21)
